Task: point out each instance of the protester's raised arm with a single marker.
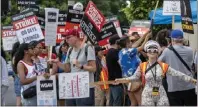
(145, 40)
(139, 41)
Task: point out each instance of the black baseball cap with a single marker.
(98, 48)
(113, 39)
(33, 44)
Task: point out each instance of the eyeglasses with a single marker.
(39, 47)
(68, 37)
(152, 51)
(31, 47)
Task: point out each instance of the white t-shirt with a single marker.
(82, 59)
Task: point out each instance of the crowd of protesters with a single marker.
(144, 72)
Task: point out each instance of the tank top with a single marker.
(29, 74)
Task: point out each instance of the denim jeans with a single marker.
(17, 86)
(116, 95)
(90, 101)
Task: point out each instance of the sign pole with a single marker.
(50, 57)
(152, 20)
(173, 21)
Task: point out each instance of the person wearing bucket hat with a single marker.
(151, 73)
(179, 57)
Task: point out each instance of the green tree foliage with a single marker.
(139, 9)
(60, 4)
(107, 7)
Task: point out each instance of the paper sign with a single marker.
(62, 16)
(51, 22)
(73, 85)
(26, 2)
(74, 16)
(171, 7)
(46, 91)
(95, 16)
(88, 29)
(8, 37)
(27, 27)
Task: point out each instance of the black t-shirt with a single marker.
(114, 70)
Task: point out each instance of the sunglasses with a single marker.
(152, 51)
(31, 47)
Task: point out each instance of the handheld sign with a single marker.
(8, 37)
(73, 85)
(95, 16)
(74, 17)
(51, 22)
(46, 91)
(27, 27)
(171, 7)
(187, 22)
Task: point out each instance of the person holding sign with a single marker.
(80, 58)
(23, 64)
(152, 73)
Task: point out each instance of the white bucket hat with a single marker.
(151, 43)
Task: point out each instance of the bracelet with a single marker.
(82, 67)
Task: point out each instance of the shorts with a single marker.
(17, 86)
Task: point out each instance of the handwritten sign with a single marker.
(27, 27)
(95, 16)
(171, 7)
(73, 85)
(8, 37)
(46, 91)
(51, 22)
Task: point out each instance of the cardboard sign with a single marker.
(88, 29)
(62, 16)
(51, 22)
(60, 32)
(74, 16)
(46, 91)
(73, 85)
(26, 2)
(141, 30)
(27, 27)
(111, 19)
(140, 26)
(171, 7)
(187, 22)
(8, 37)
(107, 31)
(41, 20)
(95, 16)
(33, 8)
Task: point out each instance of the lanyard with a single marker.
(77, 57)
(154, 74)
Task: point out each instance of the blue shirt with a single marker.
(63, 58)
(129, 61)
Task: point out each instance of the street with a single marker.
(10, 98)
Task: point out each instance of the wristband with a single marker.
(82, 67)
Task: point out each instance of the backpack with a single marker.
(86, 50)
(143, 68)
